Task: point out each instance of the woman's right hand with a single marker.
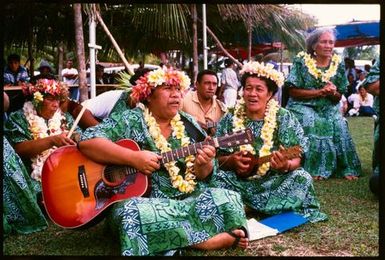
(146, 162)
(240, 163)
(61, 140)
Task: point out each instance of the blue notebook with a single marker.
(284, 221)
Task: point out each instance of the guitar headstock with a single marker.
(236, 138)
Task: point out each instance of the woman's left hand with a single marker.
(205, 155)
(279, 161)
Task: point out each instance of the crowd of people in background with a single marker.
(199, 199)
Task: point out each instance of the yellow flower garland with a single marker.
(269, 125)
(187, 184)
(311, 64)
(39, 129)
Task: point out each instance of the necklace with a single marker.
(187, 184)
(40, 129)
(267, 131)
(311, 65)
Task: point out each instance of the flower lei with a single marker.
(267, 131)
(41, 88)
(311, 65)
(187, 184)
(39, 129)
(152, 79)
(263, 70)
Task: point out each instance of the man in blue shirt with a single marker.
(14, 75)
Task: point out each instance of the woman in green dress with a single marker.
(21, 213)
(372, 84)
(280, 184)
(181, 210)
(316, 82)
(37, 129)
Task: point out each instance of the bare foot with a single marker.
(224, 240)
(318, 178)
(351, 178)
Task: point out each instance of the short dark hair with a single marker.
(228, 62)
(13, 56)
(205, 72)
(271, 85)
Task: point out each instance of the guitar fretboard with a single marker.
(183, 151)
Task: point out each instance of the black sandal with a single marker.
(237, 238)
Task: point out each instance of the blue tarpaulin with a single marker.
(358, 33)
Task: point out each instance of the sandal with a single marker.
(237, 238)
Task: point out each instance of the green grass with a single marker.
(352, 228)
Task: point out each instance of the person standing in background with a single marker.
(70, 77)
(372, 85)
(230, 83)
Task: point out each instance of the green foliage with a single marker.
(361, 52)
(352, 228)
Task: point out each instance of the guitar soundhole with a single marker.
(114, 175)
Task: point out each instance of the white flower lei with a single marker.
(311, 64)
(267, 131)
(39, 129)
(187, 184)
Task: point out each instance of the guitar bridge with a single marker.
(83, 181)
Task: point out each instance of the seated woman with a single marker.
(40, 126)
(21, 213)
(362, 104)
(181, 211)
(316, 82)
(280, 184)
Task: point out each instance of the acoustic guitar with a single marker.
(76, 189)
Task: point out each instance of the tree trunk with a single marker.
(195, 43)
(220, 46)
(60, 59)
(121, 55)
(30, 47)
(79, 40)
(250, 33)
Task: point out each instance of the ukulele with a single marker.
(290, 153)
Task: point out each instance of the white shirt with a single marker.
(101, 105)
(69, 71)
(229, 79)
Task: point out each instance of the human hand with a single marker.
(279, 161)
(61, 140)
(205, 155)
(146, 162)
(330, 89)
(240, 163)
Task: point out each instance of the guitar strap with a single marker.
(191, 129)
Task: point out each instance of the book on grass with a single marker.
(284, 221)
(258, 230)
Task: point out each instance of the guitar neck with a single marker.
(291, 153)
(229, 140)
(185, 151)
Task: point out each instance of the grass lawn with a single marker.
(352, 228)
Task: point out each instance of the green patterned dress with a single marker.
(17, 130)
(169, 219)
(275, 192)
(331, 148)
(372, 77)
(21, 213)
